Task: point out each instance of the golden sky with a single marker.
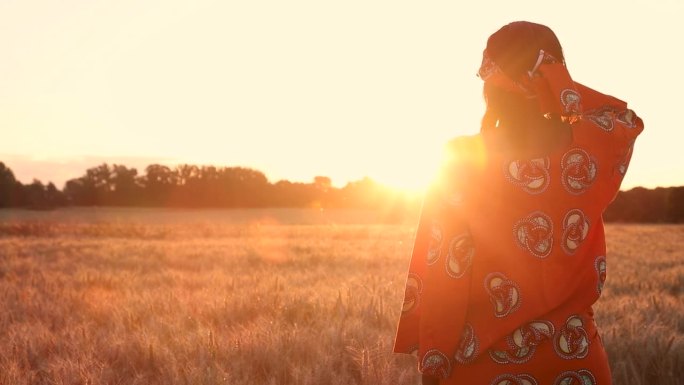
(303, 88)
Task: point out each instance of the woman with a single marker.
(509, 254)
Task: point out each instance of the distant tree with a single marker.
(124, 187)
(324, 192)
(158, 183)
(207, 187)
(237, 187)
(101, 177)
(323, 183)
(36, 196)
(80, 192)
(187, 186)
(249, 187)
(186, 174)
(623, 207)
(8, 187)
(639, 205)
(94, 188)
(675, 205)
(365, 193)
(54, 197)
(289, 194)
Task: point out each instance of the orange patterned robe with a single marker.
(510, 255)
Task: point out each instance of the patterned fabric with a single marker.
(510, 255)
(548, 81)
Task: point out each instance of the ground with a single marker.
(268, 297)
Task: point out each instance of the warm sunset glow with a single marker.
(302, 88)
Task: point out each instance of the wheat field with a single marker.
(259, 297)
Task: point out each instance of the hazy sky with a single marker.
(303, 88)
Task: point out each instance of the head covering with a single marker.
(546, 80)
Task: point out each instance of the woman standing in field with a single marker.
(510, 250)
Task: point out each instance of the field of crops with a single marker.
(268, 297)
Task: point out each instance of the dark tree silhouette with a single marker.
(208, 186)
(188, 186)
(91, 189)
(640, 205)
(124, 187)
(35, 195)
(53, 197)
(8, 187)
(289, 194)
(158, 184)
(101, 177)
(675, 205)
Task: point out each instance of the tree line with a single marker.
(660, 205)
(191, 186)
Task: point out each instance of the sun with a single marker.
(439, 166)
(413, 172)
(412, 179)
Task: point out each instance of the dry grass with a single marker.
(215, 302)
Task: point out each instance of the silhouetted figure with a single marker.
(510, 251)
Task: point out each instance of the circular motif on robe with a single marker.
(534, 233)
(600, 265)
(570, 100)
(531, 175)
(580, 377)
(435, 245)
(435, 364)
(523, 342)
(504, 294)
(572, 341)
(575, 230)
(515, 379)
(468, 346)
(578, 171)
(602, 118)
(460, 257)
(414, 286)
(627, 118)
